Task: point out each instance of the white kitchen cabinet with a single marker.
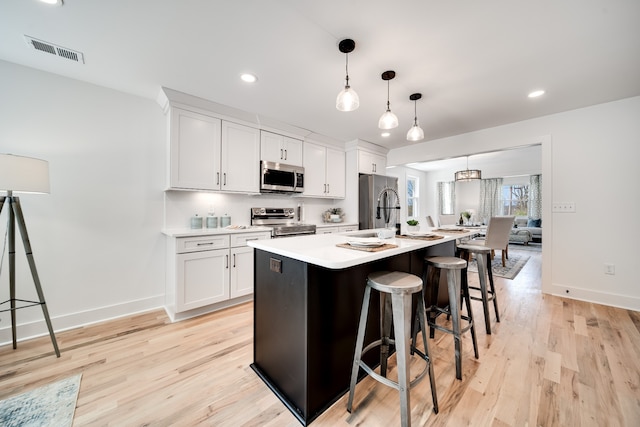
(327, 230)
(241, 272)
(336, 229)
(324, 171)
(194, 150)
(202, 274)
(371, 163)
(280, 149)
(209, 272)
(207, 153)
(240, 158)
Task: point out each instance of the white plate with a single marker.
(421, 234)
(365, 241)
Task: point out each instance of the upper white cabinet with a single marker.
(280, 149)
(207, 153)
(240, 158)
(324, 171)
(194, 150)
(369, 162)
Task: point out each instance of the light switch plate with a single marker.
(275, 265)
(563, 207)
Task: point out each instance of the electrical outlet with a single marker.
(610, 269)
(563, 207)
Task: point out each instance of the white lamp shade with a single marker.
(347, 100)
(388, 120)
(23, 174)
(415, 133)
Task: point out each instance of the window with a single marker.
(515, 200)
(413, 205)
(446, 197)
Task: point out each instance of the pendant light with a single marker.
(388, 120)
(415, 133)
(347, 98)
(468, 174)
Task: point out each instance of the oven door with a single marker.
(277, 177)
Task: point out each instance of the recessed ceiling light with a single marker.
(249, 78)
(385, 134)
(56, 2)
(536, 93)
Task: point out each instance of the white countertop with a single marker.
(189, 232)
(321, 249)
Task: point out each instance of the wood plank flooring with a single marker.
(549, 362)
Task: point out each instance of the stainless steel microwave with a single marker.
(281, 178)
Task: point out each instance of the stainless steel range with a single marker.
(283, 221)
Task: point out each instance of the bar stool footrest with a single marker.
(387, 381)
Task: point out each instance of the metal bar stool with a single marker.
(483, 257)
(396, 290)
(456, 288)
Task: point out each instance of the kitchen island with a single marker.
(307, 299)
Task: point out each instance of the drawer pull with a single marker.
(205, 244)
(254, 238)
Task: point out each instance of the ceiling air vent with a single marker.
(51, 48)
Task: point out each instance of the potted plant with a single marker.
(467, 216)
(413, 225)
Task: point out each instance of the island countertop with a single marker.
(321, 249)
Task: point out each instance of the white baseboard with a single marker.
(176, 317)
(65, 322)
(604, 298)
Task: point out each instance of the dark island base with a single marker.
(306, 321)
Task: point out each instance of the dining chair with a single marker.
(446, 220)
(497, 237)
(430, 221)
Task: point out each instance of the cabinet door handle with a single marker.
(217, 178)
(234, 260)
(328, 189)
(374, 166)
(225, 178)
(281, 154)
(227, 259)
(285, 154)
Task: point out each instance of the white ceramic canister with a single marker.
(212, 221)
(196, 221)
(225, 221)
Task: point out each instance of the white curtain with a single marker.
(490, 198)
(535, 197)
(446, 197)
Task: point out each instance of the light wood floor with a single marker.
(550, 362)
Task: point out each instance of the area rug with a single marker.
(50, 405)
(511, 269)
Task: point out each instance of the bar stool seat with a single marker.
(456, 287)
(483, 257)
(396, 290)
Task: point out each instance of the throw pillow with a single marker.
(534, 223)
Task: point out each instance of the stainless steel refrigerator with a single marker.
(374, 202)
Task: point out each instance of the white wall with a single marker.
(589, 157)
(96, 238)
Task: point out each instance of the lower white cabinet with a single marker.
(336, 229)
(209, 270)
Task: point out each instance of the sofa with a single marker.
(533, 226)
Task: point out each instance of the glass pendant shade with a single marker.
(415, 133)
(388, 120)
(347, 99)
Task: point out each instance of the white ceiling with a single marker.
(474, 62)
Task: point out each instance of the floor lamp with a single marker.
(25, 175)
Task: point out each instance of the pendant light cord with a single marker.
(346, 68)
